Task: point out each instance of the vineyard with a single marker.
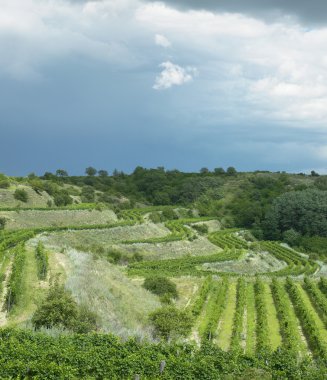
(284, 307)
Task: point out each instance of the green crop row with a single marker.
(180, 267)
(262, 328)
(214, 310)
(227, 240)
(41, 257)
(287, 320)
(16, 277)
(323, 285)
(317, 297)
(308, 323)
(296, 264)
(202, 296)
(239, 315)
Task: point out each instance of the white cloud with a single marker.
(250, 70)
(173, 75)
(161, 40)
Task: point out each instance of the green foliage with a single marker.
(3, 222)
(62, 198)
(201, 228)
(202, 296)
(169, 214)
(214, 310)
(303, 211)
(314, 244)
(161, 286)
(310, 328)
(21, 195)
(287, 322)
(262, 328)
(291, 237)
(60, 310)
(103, 356)
(41, 261)
(4, 184)
(90, 171)
(16, 278)
(231, 171)
(88, 194)
(171, 323)
(188, 265)
(238, 316)
(317, 297)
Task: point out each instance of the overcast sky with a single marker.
(122, 83)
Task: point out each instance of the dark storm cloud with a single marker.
(314, 11)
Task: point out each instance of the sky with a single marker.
(181, 84)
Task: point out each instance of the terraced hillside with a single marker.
(246, 296)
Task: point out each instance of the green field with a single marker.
(244, 299)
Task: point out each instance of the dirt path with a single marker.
(3, 312)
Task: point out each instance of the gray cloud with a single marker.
(314, 11)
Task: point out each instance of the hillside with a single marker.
(254, 302)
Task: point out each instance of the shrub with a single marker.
(62, 198)
(21, 195)
(59, 309)
(201, 228)
(155, 217)
(170, 322)
(4, 184)
(3, 222)
(291, 237)
(161, 286)
(169, 214)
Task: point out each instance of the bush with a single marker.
(4, 184)
(169, 214)
(170, 323)
(88, 194)
(201, 228)
(155, 217)
(62, 198)
(59, 309)
(21, 195)
(161, 286)
(291, 237)
(3, 222)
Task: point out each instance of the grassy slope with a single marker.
(36, 218)
(121, 305)
(34, 199)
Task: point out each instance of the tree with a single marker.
(170, 323)
(231, 171)
(90, 171)
(314, 174)
(303, 211)
(204, 170)
(103, 173)
(219, 171)
(61, 173)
